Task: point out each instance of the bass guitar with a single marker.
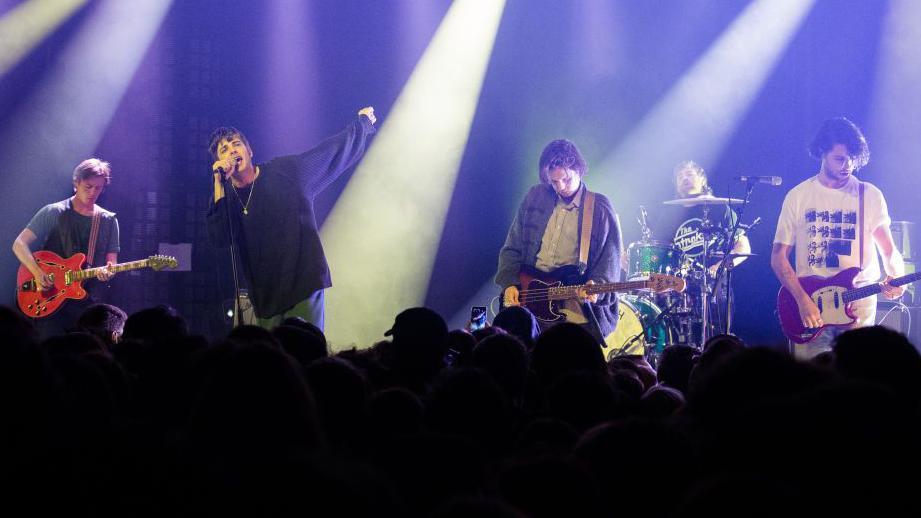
(68, 276)
(544, 292)
(833, 296)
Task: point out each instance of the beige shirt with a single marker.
(560, 244)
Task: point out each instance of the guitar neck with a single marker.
(570, 292)
(873, 289)
(90, 273)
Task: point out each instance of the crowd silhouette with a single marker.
(135, 416)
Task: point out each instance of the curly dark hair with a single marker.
(222, 133)
(560, 153)
(840, 130)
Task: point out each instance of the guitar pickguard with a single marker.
(544, 311)
(554, 311)
(832, 307)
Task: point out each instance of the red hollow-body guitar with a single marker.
(833, 296)
(68, 276)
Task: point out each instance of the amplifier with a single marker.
(901, 318)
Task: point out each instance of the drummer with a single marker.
(684, 223)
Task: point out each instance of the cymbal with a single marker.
(706, 199)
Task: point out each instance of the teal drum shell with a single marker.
(647, 257)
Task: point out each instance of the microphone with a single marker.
(235, 164)
(770, 180)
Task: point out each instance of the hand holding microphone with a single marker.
(226, 167)
(221, 171)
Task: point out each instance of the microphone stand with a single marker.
(237, 305)
(706, 228)
(727, 259)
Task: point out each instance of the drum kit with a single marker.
(649, 322)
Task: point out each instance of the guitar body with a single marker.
(827, 293)
(535, 281)
(41, 304)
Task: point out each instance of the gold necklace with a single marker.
(252, 187)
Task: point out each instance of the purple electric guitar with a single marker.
(833, 296)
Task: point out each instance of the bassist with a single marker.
(66, 228)
(545, 235)
(834, 222)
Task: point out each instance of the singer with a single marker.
(270, 206)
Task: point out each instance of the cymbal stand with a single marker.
(644, 227)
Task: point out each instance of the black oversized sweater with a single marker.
(278, 239)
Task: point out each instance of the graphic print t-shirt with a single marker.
(822, 225)
(682, 227)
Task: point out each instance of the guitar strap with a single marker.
(860, 189)
(585, 239)
(94, 234)
(588, 201)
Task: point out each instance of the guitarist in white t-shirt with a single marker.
(821, 218)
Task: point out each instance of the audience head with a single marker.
(303, 345)
(517, 320)
(418, 327)
(104, 321)
(160, 324)
(459, 348)
(675, 366)
(504, 357)
(564, 348)
(880, 355)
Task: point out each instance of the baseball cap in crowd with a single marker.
(418, 322)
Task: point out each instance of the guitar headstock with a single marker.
(659, 282)
(159, 262)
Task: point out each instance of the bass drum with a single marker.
(635, 313)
